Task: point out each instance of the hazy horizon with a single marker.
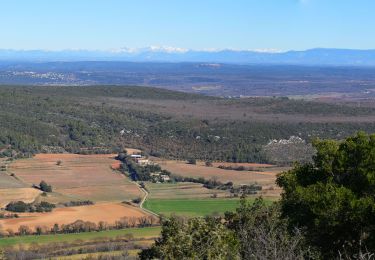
(244, 25)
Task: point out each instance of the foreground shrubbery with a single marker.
(333, 198)
(254, 231)
(326, 212)
(195, 238)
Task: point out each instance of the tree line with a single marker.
(80, 226)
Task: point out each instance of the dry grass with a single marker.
(266, 176)
(88, 177)
(27, 195)
(119, 192)
(7, 182)
(181, 168)
(73, 177)
(109, 212)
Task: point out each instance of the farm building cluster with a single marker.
(156, 176)
(140, 160)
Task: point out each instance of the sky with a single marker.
(192, 24)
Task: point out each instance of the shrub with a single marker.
(21, 206)
(208, 164)
(192, 161)
(45, 187)
(18, 206)
(137, 200)
(333, 197)
(78, 203)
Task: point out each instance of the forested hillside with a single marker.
(97, 119)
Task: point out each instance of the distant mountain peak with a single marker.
(317, 56)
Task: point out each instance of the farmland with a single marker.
(25, 194)
(107, 212)
(77, 177)
(7, 182)
(190, 199)
(149, 232)
(262, 176)
(73, 178)
(95, 177)
(194, 207)
(183, 190)
(193, 199)
(191, 207)
(80, 245)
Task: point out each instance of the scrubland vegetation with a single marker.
(102, 119)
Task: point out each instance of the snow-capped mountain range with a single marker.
(319, 56)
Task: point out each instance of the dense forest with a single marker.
(104, 119)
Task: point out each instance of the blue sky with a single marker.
(192, 24)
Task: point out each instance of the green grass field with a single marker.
(182, 190)
(45, 239)
(191, 207)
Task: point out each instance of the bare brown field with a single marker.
(7, 182)
(184, 190)
(77, 176)
(119, 192)
(116, 165)
(181, 168)
(108, 212)
(23, 194)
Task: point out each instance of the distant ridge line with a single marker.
(317, 56)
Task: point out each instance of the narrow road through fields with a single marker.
(146, 193)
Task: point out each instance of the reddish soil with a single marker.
(79, 177)
(181, 168)
(108, 212)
